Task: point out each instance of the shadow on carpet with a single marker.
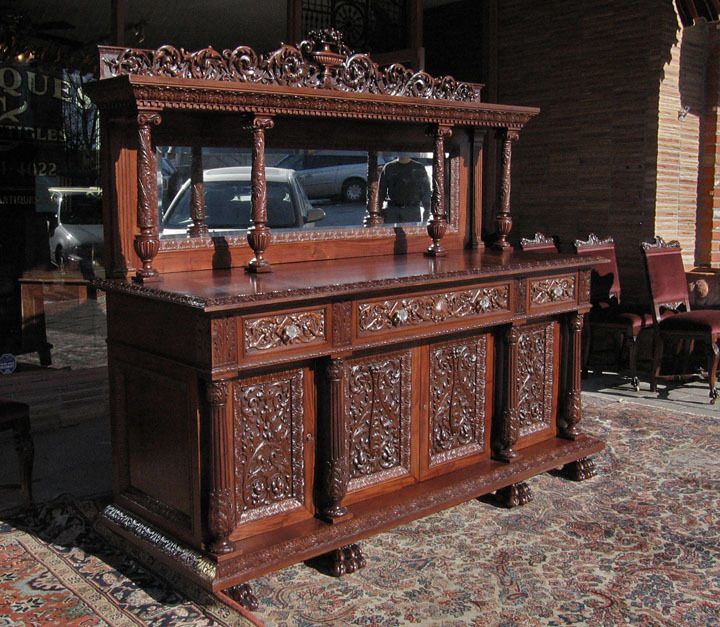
(638, 544)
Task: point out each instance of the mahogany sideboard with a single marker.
(282, 408)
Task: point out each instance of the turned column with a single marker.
(503, 220)
(437, 225)
(197, 195)
(147, 242)
(509, 427)
(221, 520)
(572, 411)
(373, 217)
(335, 467)
(259, 235)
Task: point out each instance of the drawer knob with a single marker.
(400, 316)
(290, 332)
(484, 303)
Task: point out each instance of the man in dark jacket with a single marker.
(405, 185)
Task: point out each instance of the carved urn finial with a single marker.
(329, 50)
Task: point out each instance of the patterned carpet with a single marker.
(639, 544)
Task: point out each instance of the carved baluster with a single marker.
(508, 431)
(573, 410)
(373, 217)
(147, 242)
(437, 225)
(335, 467)
(504, 220)
(221, 518)
(259, 236)
(197, 195)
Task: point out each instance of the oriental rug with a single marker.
(638, 544)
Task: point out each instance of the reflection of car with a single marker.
(76, 232)
(227, 202)
(331, 173)
(339, 173)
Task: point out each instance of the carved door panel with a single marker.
(272, 451)
(378, 392)
(456, 423)
(536, 380)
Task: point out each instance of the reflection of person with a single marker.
(405, 184)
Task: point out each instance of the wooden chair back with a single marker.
(605, 279)
(665, 274)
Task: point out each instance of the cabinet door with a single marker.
(455, 425)
(378, 393)
(273, 460)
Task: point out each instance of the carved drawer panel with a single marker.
(457, 399)
(534, 378)
(378, 392)
(269, 333)
(427, 309)
(268, 437)
(547, 292)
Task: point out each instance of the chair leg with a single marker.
(632, 361)
(713, 358)
(657, 361)
(26, 455)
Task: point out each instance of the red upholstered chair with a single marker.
(674, 321)
(539, 244)
(16, 416)
(608, 313)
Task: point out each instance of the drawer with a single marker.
(386, 315)
(553, 292)
(285, 331)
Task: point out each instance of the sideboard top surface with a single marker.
(222, 289)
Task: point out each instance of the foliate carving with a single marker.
(197, 196)
(503, 220)
(323, 61)
(584, 283)
(217, 394)
(221, 519)
(521, 296)
(537, 240)
(659, 242)
(439, 307)
(342, 323)
(457, 399)
(677, 305)
(224, 341)
(268, 436)
(378, 396)
(147, 243)
(270, 332)
(533, 378)
(592, 241)
(437, 225)
(259, 235)
(547, 291)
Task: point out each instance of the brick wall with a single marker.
(608, 153)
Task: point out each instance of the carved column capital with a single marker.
(149, 118)
(217, 392)
(261, 123)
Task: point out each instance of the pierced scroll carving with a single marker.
(388, 314)
(270, 332)
(547, 291)
(457, 399)
(534, 377)
(592, 241)
(378, 418)
(268, 436)
(322, 61)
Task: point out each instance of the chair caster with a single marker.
(635, 384)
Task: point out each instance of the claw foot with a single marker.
(514, 495)
(345, 560)
(243, 595)
(583, 468)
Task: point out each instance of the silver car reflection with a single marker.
(76, 232)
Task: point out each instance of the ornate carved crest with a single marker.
(323, 61)
(659, 242)
(592, 241)
(539, 239)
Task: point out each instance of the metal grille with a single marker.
(367, 25)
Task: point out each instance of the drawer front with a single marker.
(387, 315)
(548, 293)
(286, 331)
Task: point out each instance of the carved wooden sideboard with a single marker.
(266, 413)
